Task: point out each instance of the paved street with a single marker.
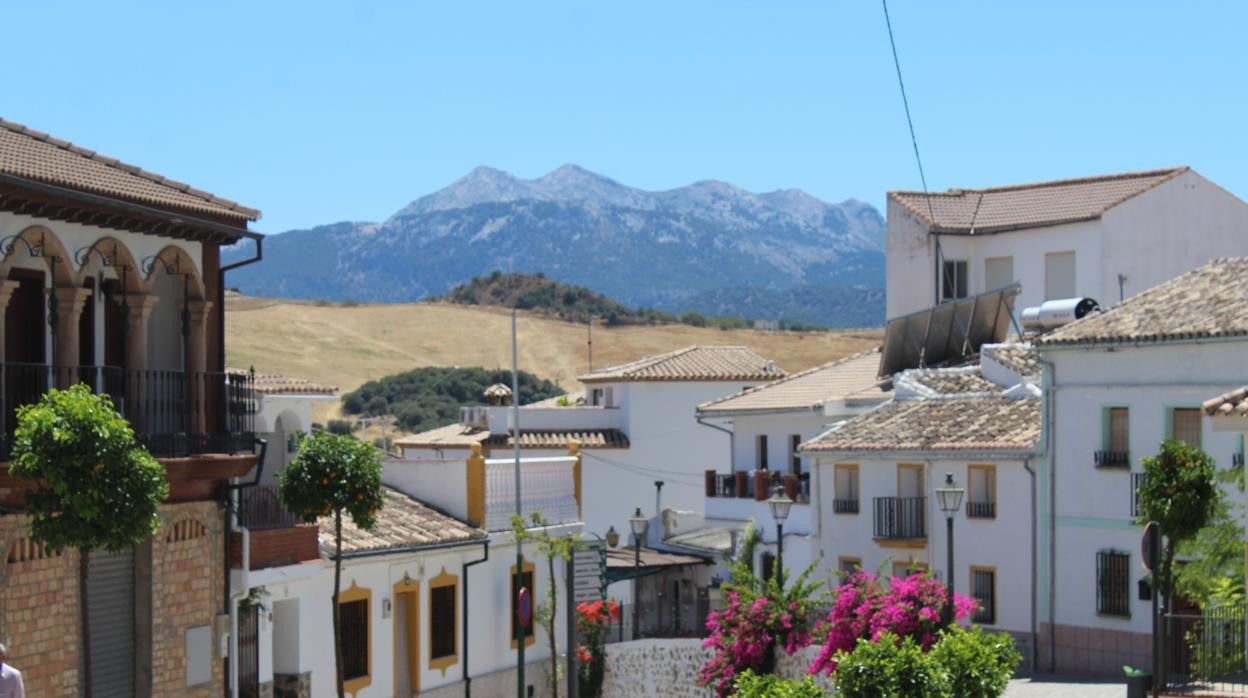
(1065, 687)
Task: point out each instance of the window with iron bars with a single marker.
(984, 590)
(1113, 583)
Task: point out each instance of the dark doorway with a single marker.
(86, 329)
(24, 333)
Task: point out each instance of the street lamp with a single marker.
(639, 524)
(780, 505)
(949, 496)
(613, 537)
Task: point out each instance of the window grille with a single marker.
(1113, 582)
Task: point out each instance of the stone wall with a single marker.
(38, 610)
(188, 590)
(663, 668)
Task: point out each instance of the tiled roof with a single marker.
(1022, 359)
(591, 438)
(37, 156)
(1232, 404)
(460, 436)
(998, 209)
(853, 377)
(946, 381)
(1211, 301)
(951, 424)
(402, 522)
(273, 384)
(712, 363)
(498, 390)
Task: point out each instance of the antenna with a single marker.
(589, 330)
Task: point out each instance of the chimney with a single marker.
(658, 497)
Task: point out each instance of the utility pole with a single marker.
(589, 329)
(515, 439)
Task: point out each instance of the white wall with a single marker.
(778, 428)
(1093, 505)
(489, 604)
(440, 482)
(1150, 238)
(1002, 542)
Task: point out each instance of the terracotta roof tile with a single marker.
(273, 384)
(932, 382)
(850, 378)
(37, 156)
(403, 522)
(460, 436)
(998, 209)
(1022, 359)
(1232, 404)
(697, 363)
(945, 424)
(1211, 301)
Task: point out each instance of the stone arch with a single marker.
(62, 271)
(112, 247)
(173, 256)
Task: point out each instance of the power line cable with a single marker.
(905, 101)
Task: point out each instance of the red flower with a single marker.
(583, 655)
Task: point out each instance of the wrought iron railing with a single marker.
(259, 508)
(1206, 652)
(1112, 459)
(845, 506)
(173, 413)
(981, 510)
(900, 518)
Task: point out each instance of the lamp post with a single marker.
(780, 505)
(613, 537)
(639, 524)
(949, 496)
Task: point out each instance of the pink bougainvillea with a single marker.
(743, 635)
(865, 608)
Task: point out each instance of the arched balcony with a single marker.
(135, 329)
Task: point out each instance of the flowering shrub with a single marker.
(593, 619)
(865, 609)
(759, 616)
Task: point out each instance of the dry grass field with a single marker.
(347, 346)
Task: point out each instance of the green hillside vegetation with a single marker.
(430, 397)
(536, 293)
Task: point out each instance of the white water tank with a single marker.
(1053, 314)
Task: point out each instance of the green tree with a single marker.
(333, 475)
(1180, 492)
(553, 548)
(96, 487)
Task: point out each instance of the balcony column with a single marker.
(197, 363)
(7, 287)
(140, 305)
(69, 304)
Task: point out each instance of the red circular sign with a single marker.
(524, 609)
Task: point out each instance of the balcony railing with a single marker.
(1112, 459)
(260, 509)
(757, 485)
(173, 413)
(845, 506)
(899, 518)
(981, 510)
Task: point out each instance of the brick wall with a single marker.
(278, 546)
(188, 590)
(38, 611)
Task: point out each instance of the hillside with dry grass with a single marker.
(348, 345)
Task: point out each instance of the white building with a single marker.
(766, 426)
(1106, 237)
(635, 426)
(875, 507)
(1117, 383)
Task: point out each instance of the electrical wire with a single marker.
(905, 101)
(669, 476)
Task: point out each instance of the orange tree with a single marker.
(95, 486)
(1180, 492)
(332, 475)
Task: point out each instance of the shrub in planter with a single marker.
(751, 685)
(979, 664)
(593, 620)
(890, 667)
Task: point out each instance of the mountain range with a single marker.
(709, 247)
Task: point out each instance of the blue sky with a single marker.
(319, 112)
